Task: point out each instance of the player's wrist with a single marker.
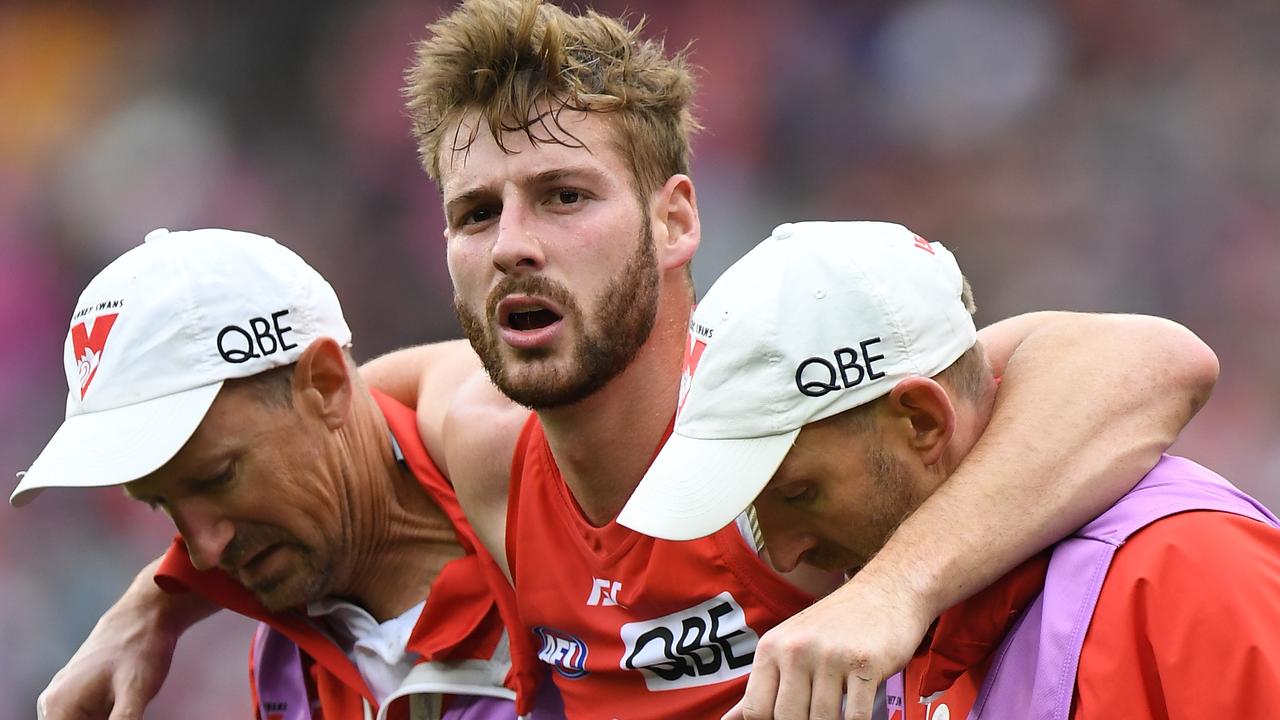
(910, 586)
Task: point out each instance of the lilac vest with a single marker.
(1033, 673)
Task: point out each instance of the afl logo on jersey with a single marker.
(703, 645)
(562, 651)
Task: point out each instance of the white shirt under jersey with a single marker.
(376, 649)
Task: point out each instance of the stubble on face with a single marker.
(308, 577)
(606, 341)
(888, 502)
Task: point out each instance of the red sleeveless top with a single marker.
(634, 627)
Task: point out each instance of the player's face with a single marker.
(835, 499)
(555, 277)
(252, 493)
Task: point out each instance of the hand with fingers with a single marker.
(122, 664)
(827, 662)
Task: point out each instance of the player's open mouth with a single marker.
(534, 319)
(528, 322)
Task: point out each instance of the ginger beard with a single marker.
(604, 343)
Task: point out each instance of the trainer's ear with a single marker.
(673, 216)
(931, 416)
(322, 383)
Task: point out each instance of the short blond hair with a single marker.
(521, 62)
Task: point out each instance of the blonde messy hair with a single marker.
(521, 63)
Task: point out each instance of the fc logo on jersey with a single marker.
(562, 651)
(705, 644)
(604, 593)
(87, 343)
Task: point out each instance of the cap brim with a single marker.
(695, 487)
(116, 446)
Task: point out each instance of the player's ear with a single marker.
(322, 382)
(673, 217)
(931, 415)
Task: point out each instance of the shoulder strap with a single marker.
(1034, 671)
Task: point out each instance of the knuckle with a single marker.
(792, 644)
(856, 660)
(769, 641)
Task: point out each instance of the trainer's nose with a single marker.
(786, 550)
(205, 531)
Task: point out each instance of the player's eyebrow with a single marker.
(555, 175)
(465, 198)
(544, 177)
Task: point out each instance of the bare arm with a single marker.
(425, 377)
(1086, 406)
(480, 432)
(121, 665)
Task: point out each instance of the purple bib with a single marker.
(1033, 673)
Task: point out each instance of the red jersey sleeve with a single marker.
(1187, 624)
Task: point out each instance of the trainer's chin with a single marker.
(285, 590)
(288, 587)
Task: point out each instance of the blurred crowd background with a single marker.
(1078, 154)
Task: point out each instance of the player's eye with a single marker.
(477, 215)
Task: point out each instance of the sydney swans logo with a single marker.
(87, 343)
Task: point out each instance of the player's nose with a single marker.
(518, 245)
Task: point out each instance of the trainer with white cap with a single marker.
(210, 374)
(835, 381)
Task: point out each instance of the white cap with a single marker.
(819, 318)
(154, 336)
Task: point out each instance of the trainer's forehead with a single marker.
(817, 443)
(225, 430)
(579, 140)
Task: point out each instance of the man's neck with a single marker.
(972, 418)
(400, 539)
(603, 444)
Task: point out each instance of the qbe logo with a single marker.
(703, 645)
(562, 651)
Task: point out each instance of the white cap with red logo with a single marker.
(819, 318)
(155, 335)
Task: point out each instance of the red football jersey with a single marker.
(634, 627)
